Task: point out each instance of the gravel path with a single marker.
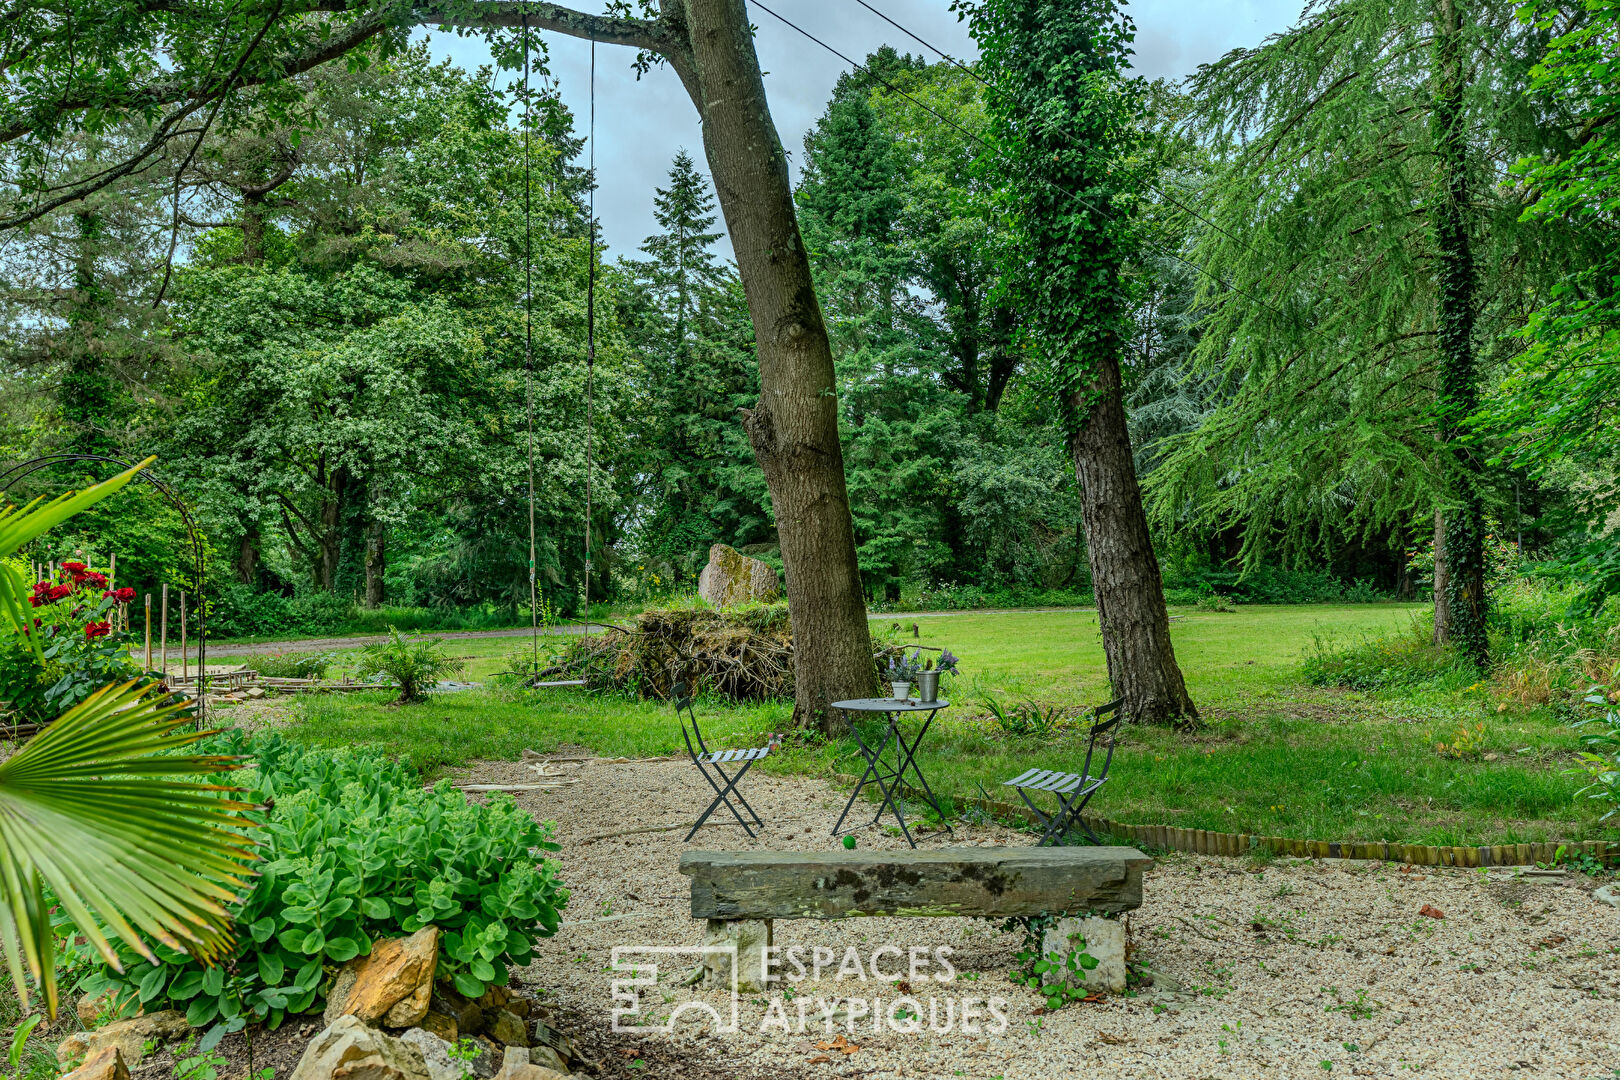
(1283, 971)
(357, 641)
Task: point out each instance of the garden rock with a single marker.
(129, 1036)
(1105, 941)
(732, 578)
(108, 1064)
(1609, 894)
(392, 985)
(464, 1013)
(349, 1050)
(509, 1029)
(440, 1065)
(517, 1065)
(94, 1008)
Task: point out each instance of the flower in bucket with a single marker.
(946, 664)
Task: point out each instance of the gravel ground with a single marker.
(1292, 969)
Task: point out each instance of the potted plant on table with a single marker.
(932, 669)
(901, 671)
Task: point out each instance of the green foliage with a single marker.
(1600, 761)
(1027, 720)
(414, 664)
(1059, 977)
(1066, 139)
(354, 849)
(1406, 659)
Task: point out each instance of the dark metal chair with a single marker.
(1073, 790)
(725, 789)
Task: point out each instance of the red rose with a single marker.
(41, 588)
(75, 567)
(124, 596)
(57, 592)
(94, 580)
(97, 629)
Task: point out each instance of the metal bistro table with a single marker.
(891, 779)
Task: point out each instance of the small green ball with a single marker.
(849, 843)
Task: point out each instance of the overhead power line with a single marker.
(982, 141)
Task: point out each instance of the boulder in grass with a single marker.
(349, 1050)
(391, 985)
(732, 578)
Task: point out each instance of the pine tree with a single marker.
(1350, 330)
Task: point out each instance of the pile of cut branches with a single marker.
(744, 653)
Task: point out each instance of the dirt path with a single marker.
(1297, 969)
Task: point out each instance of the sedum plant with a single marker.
(355, 849)
(94, 812)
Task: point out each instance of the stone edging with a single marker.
(1208, 842)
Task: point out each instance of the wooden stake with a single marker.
(185, 658)
(163, 633)
(148, 631)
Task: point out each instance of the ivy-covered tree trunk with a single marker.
(1464, 549)
(1070, 184)
(87, 392)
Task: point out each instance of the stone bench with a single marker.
(741, 893)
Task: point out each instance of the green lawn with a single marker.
(1273, 756)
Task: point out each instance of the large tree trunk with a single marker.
(1124, 569)
(794, 428)
(1442, 588)
(376, 538)
(247, 556)
(1459, 374)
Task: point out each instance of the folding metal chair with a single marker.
(725, 790)
(1073, 790)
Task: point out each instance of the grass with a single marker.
(1273, 756)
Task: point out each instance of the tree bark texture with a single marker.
(1459, 373)
(794, 428)
(247, 557)
(1124, 569)
(1442, 589)
(376, 540)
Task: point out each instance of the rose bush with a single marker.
(75, 618)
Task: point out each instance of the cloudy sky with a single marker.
(640, 125)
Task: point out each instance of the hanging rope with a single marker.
(590, 341)
(528, 349)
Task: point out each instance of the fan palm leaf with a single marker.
(94, 809)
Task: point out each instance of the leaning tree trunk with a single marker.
(1124, 569)
(1464, 553)
(794, 428)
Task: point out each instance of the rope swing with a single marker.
(528, 348)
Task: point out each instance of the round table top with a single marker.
(889, 705)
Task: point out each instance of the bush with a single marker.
(80, 651)
(1405, 658)
(1600, 762)
(291, 665)
(415, 664)
(354, 849)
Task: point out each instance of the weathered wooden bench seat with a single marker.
(742, 893)
(996, 882)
